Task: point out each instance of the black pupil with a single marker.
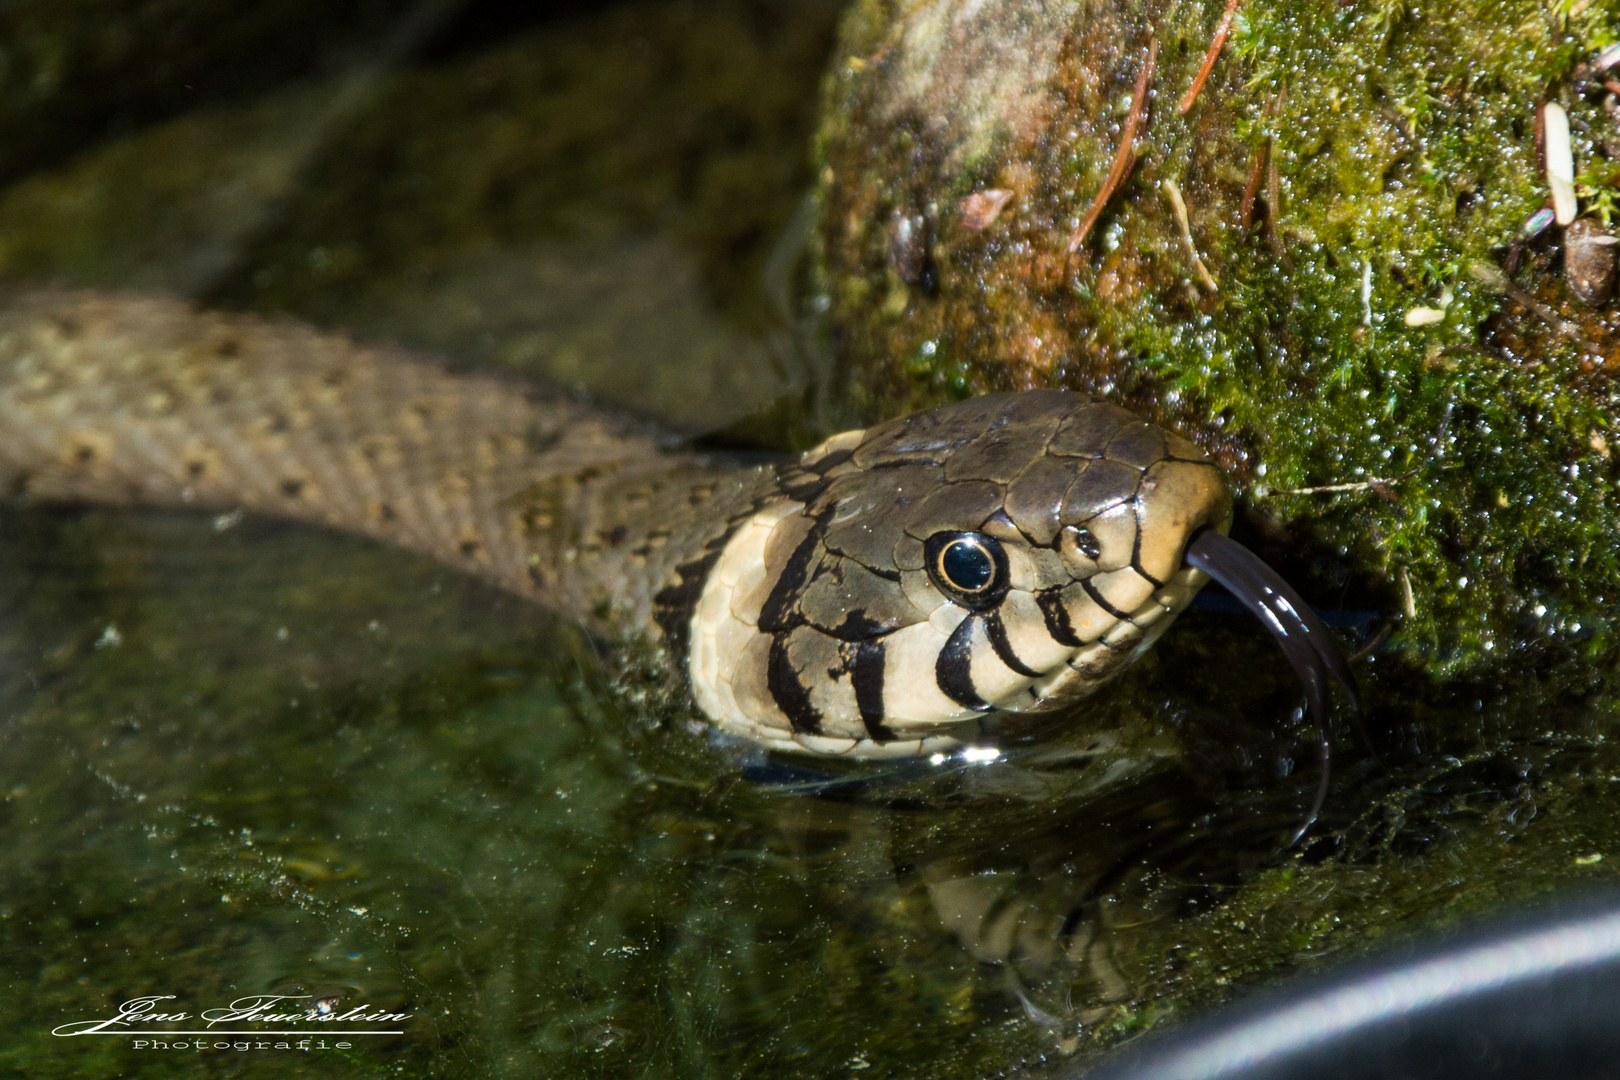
(967, 566)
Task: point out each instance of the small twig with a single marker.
(1489, 275)
(1222, 28)
(1373, 641)
(1366, 290)
(1173, 192)
(1380, 484)
(1274, 202)
(1125, 155)
(1377, 483)
(1408, 601)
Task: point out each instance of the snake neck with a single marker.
(125, 400)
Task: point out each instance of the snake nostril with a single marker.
(1085, 542)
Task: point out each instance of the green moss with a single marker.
(1456, 463)
(1329, 391)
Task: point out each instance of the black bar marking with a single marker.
(1100, 602)
(1050, 601)
(866, 673)
(778, 612)
(855, 627)
(953, 670)
(791, 695)
(996, 631)
(674, 604)
(1136, 546)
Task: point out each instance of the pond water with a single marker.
(244, 758)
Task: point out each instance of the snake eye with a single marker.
(969, 567)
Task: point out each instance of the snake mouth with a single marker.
(1308, 645)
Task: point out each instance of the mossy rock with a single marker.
(1398, 377)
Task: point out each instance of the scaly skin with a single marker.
(125, 400)
(806, 601)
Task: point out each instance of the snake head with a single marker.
(1010, 553)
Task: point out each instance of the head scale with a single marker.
(1008, 553)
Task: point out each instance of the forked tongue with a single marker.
(1307, 644)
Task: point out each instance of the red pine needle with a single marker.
(1222, 28)
(1125, 154)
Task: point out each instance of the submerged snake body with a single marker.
(873, 598)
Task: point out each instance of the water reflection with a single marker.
(307, 763)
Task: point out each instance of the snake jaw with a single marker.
(1087, 668)
(1008, 554)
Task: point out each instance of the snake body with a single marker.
(875, 597)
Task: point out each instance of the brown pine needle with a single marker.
(1274, 202)
(1125, 155)
(1251, 190)
(1222, 28)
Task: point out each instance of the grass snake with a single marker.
(878, 596)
